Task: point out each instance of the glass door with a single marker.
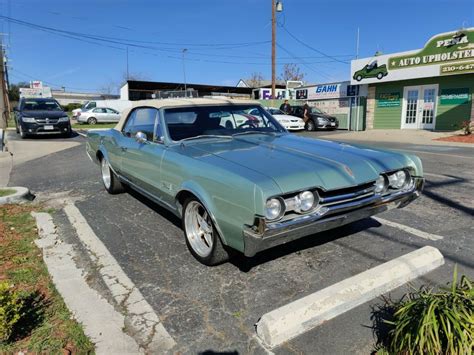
(419, 107)
(428, 112)
(411, 98)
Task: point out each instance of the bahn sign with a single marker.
(444, 54)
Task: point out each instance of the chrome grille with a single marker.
(47, 120)
(334, 197)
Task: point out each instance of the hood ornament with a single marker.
(348, 170)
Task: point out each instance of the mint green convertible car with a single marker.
(247, 186)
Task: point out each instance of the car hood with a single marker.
(324, 115)
(44, 114)
(295, 163)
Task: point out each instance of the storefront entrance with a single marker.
(419, 107)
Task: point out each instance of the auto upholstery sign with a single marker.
(444, 54)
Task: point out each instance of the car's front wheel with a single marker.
(92, 120)
(310, 125)
(111, 182)
(202, 238)
(379, 76)
(23, 134)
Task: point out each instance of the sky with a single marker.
(225, 40)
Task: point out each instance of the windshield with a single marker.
(41, 105)
(89, 105)
(219, 121)
(316, 110)
(275, 111)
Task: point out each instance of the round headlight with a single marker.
(398, 179)
(273, 209)
(306, 200)
(380, 184)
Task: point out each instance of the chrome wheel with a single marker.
(104, 166)
(199, 230)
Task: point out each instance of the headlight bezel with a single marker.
(63, 119)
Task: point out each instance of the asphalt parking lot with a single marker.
(215, 309)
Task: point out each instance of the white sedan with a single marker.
(291, 123)
(98, 115)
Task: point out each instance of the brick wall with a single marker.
(370, 108)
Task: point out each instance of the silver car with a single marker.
(98, 115)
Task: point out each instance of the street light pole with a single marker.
(273, 47)
(184, 74)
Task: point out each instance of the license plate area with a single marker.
(48, 128)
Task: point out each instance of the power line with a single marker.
(304, 63)
(310, 47)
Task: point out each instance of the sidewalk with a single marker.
(421, 137)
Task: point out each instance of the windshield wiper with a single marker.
(202, 136)
(254, 132)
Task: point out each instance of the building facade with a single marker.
(430, 88)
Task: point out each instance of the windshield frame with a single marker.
(234, 107)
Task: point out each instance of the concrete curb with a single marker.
(101, 322)
(293, 319)
(22, 194)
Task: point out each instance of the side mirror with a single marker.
(140, 137)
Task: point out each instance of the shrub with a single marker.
(10, 310)
(70, 107)
(466, 126)
(427, 322)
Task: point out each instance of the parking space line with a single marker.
(145, 325)
(300, 316)
(414, 231)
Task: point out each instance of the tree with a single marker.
(255, 80)
(292, 72)
(14, 90)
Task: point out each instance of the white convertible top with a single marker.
(160, 103)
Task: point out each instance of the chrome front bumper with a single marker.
(261, 236)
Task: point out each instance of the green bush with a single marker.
(10, 310)
(70, 107)
(427, 322)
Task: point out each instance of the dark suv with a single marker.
(318, 119)
(41, 116)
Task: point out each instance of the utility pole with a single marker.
(4, 105)
(184, 74)
(127, 64)
(277, 6)
(273, 48)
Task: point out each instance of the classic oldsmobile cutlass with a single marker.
(250, 185)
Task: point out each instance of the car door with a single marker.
(141, 160)
(112, 115)
(100, 114)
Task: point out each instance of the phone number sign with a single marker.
(460, 68)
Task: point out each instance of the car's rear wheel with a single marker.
(92, 120)
(310, 125)
(111, 182)
(202, 238)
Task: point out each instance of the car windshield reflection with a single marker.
(190, 123)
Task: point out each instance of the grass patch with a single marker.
(6, 192)
(46, 325)
(89, 126)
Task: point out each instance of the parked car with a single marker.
(34, 116)
(318, 119)
(291, 123)
(371, 70)
(246, 188)
(117, 105)
(98, 115)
